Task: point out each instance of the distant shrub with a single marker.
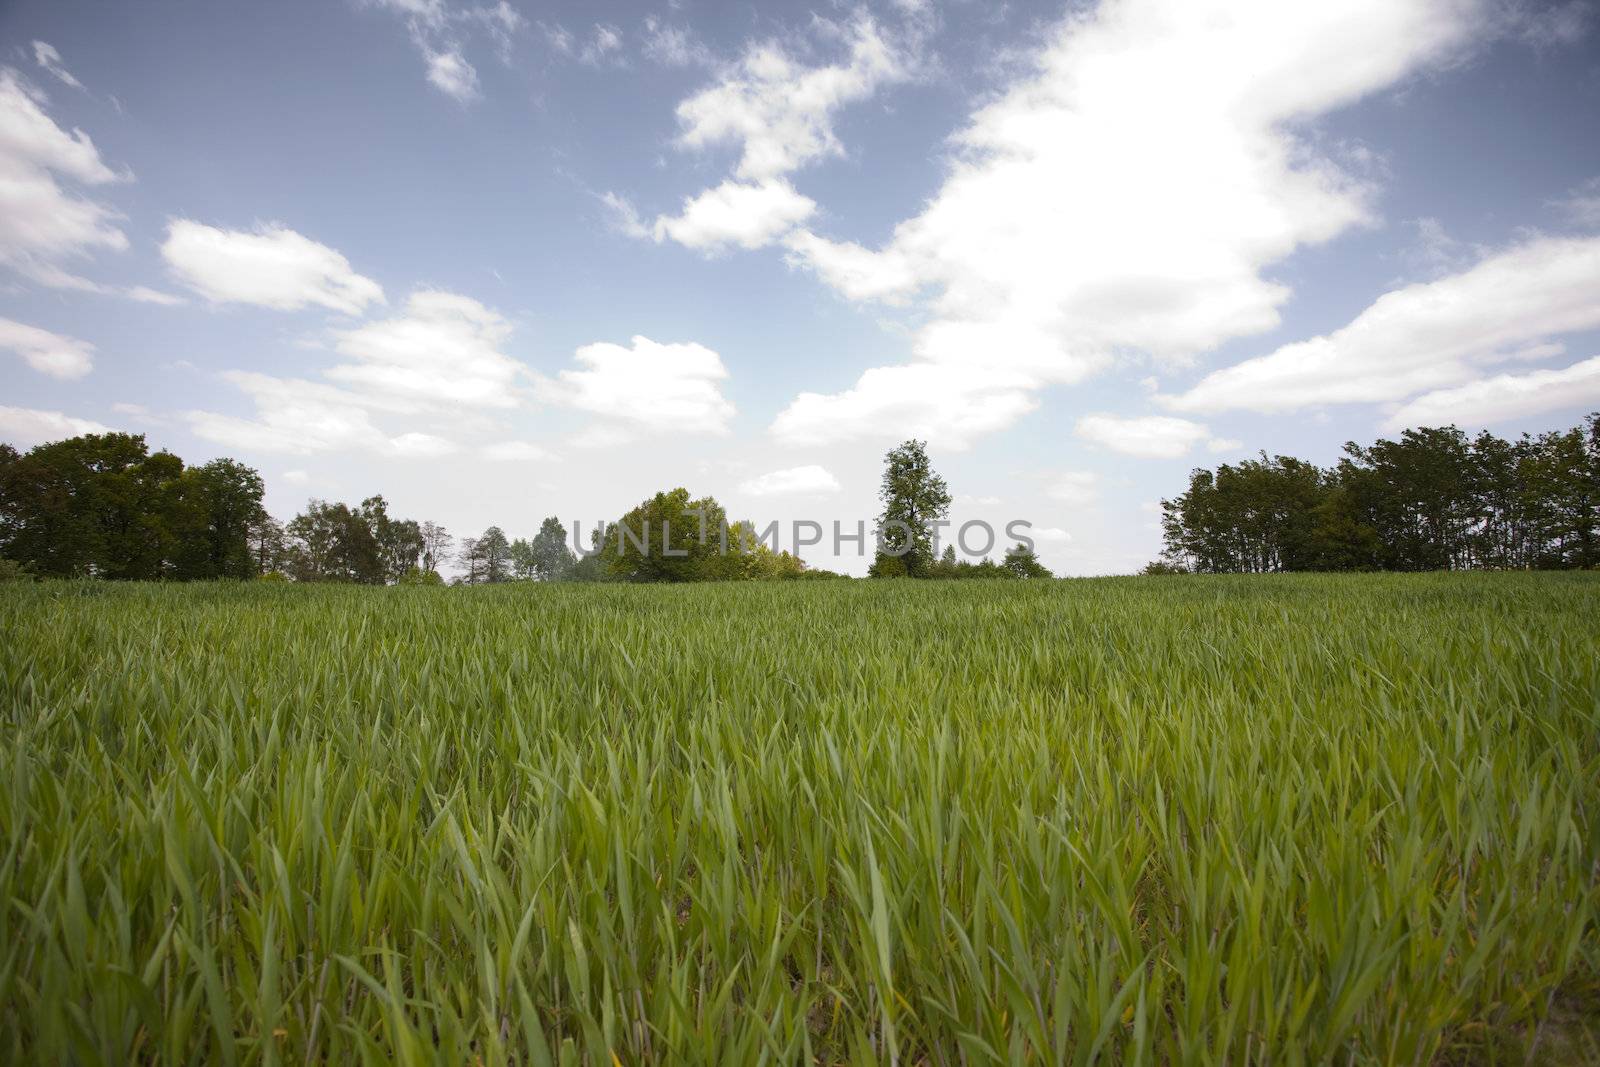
(12, 571)
(418, 576)
(273, 576)
(1161, 566)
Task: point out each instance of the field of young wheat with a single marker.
(1191, 820)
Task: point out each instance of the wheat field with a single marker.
(1307, 819)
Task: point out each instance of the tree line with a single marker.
(1434, 499)
(104, 506)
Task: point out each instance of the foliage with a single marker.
(102, 505)
(488, 559)
(1022, 562)
(338, 543)
(673, 538)
(914, 497)
(1431, 500)
(1316, 818)
(552, 559)
(418, 576)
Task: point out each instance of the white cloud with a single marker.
(1424, 336)
(749, 215)
(604, 42)
(299, 417)
(951, 404)
(856, 272)
(49, 353)
(47, 57)
(451, 74)
(672, 46)
(42, 226)
(296, 477)
(1078, 488)
(651, 385)
(440, 32)
(1050, 535)
(1145, 436)
(794, 481)
(1503, 397)
(1130, 191)
(25, 427)
(516, 452)
(779, 112)
(623, 216)
(443, 349)
(1224, 444)
(273, 267)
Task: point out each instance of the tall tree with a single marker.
(436, 544)
(914, 497)
(487, 558)
(553, 560)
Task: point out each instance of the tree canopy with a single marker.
(1433, 499)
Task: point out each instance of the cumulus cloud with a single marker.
(1503, 397)
(794, 481)
(778, 111)
(443, 349)
(299, 417)
(25, 427)
(43, 227)
(49, 353)
(1129, 192)
(747, 214)
(1144, 436)
(438, 361)
(1424, 336)
(271, 266)
(47, 57)
(649, 385)
(946, 402)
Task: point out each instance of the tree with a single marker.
(671, 538)
(102, 505)
(267, 546)
(553, 560)
(399, 541)
(523, 563)
(436, 544)
(227, 499)
(487, 558)
(1022, 562)
(333, 543)
(914, 497)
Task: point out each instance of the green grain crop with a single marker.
(1306, 819)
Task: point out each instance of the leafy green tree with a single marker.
(553, 560)
(487, 559)
(523, 562)
(101, 505)
(1022, 562)
(670, 538)
(914, 497)
(333, 543)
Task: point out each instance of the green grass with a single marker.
(1306, 819)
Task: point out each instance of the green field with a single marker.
(1310, 819)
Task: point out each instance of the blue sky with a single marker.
(500, 261)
